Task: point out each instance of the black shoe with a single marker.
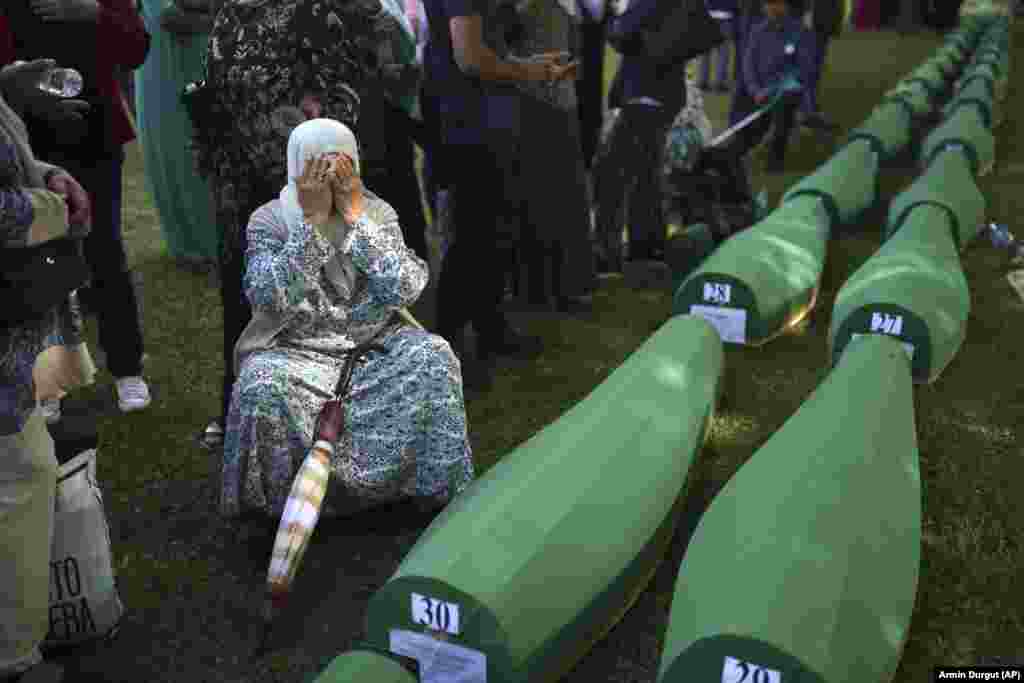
(509, 343)
(817, 121)
(574, 305)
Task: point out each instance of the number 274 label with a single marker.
(738, 671)
(435, 614)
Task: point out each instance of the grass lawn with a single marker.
(192, 587)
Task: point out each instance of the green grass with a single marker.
(968, 603)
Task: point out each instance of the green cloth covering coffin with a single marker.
(914, 95)
(847, 183)
(181, 196)
(978, 92)
(362, 665)
(548, 549)
(913, 289)
(945, 63)
(805, 566)
(987, 70)
(764, 278)
(887, 128)
(947, 183)
(931, 77)
(964, 128)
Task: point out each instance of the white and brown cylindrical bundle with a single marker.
(301, 512)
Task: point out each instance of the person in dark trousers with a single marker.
(99, 39)
(725, 12)
(650, 96)
(747, 17)
(826, 20)
(590, 84)
(777, 48)
(478, 145)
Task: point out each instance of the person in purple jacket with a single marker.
(778, 48)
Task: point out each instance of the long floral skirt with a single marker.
(405, 431)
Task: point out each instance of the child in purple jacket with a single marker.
(778, 47)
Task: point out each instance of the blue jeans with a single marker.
(721, 56)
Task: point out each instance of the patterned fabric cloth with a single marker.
(690, 131)
(405, 427)
(263, 58)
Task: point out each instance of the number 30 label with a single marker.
(435, 614)
(738, 671)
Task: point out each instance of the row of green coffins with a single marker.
(838, 609)
(914, 287)
(522, 573)
(527, 569)
(765, 278)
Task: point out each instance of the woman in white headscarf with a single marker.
(327, 270)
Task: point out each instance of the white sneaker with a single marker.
(50, 410)
(132, 394)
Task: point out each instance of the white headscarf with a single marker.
(309, 140)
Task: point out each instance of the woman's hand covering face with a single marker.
(314, 190)
(348, 189)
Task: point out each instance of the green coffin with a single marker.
(944, 63)
(848, 182)
(364, 666)
(805, 566)
(947, 183)
(913, 289)
(976, 92)
(964, 127)
(915, 95)
(887, 128)
(931, 77)
(988, 71)
(540, 556)
(763, 279)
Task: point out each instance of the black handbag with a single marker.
(677, 32)
(35, 280)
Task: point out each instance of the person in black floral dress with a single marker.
(272, 64)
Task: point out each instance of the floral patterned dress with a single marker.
(264, 57)
(405, 424)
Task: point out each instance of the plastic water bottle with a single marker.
(59, 81)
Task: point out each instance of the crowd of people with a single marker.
(299, 180)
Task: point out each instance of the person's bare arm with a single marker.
(474, 57)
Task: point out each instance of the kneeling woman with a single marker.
(326, 271)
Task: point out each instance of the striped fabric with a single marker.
(301, 512)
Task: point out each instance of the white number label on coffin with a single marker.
(737, 671)
(440, 662)
(907, 346)
(435, 614)
(731, 323)
(717, 293)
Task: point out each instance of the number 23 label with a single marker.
(738, 671)
(435, 614)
